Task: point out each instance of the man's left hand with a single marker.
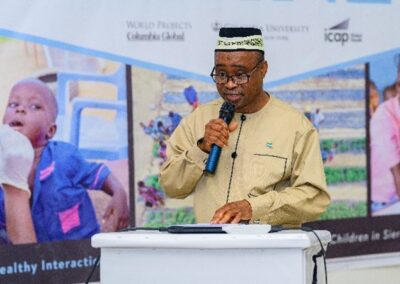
(233, 213)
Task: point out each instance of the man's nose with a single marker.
(230, 84)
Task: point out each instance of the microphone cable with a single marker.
(92, 270)
(321, 253)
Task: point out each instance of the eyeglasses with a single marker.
(238, 79)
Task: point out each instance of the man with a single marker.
(318, 118)
(270, 169)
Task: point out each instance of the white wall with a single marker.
(371, 269)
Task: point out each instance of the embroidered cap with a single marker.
(237, 39)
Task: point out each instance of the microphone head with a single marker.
(227, 111)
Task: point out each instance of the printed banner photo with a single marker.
(123, 77)
(81, 181)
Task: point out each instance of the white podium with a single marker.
(158, 257)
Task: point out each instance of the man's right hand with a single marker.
(216, 132)
(16, 158)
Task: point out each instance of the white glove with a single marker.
(16, 158)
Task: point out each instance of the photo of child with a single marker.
(384, 127)
(67, 190)
(59, 177)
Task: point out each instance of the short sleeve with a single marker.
(90, 175)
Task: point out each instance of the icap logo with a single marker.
(339, 34)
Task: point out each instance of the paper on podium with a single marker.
(246, 229)
(219, 229)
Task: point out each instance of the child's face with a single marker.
(30, 112)
(373, 98)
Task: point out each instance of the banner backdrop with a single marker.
(125, 74)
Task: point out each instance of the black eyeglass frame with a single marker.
(232, 77)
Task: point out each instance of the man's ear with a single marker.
(51, 131)
(264, 68)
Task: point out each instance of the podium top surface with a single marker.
(155, 239)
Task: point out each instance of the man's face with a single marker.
(248, 97)
(29, 111)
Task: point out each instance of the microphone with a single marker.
(226, 114)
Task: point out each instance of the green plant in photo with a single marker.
(166, 217)
(345, 209)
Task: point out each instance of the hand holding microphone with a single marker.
(217, 134)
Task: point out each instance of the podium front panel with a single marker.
(166, 258)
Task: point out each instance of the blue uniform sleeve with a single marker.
(90, 175)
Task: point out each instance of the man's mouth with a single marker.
(233, 97)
